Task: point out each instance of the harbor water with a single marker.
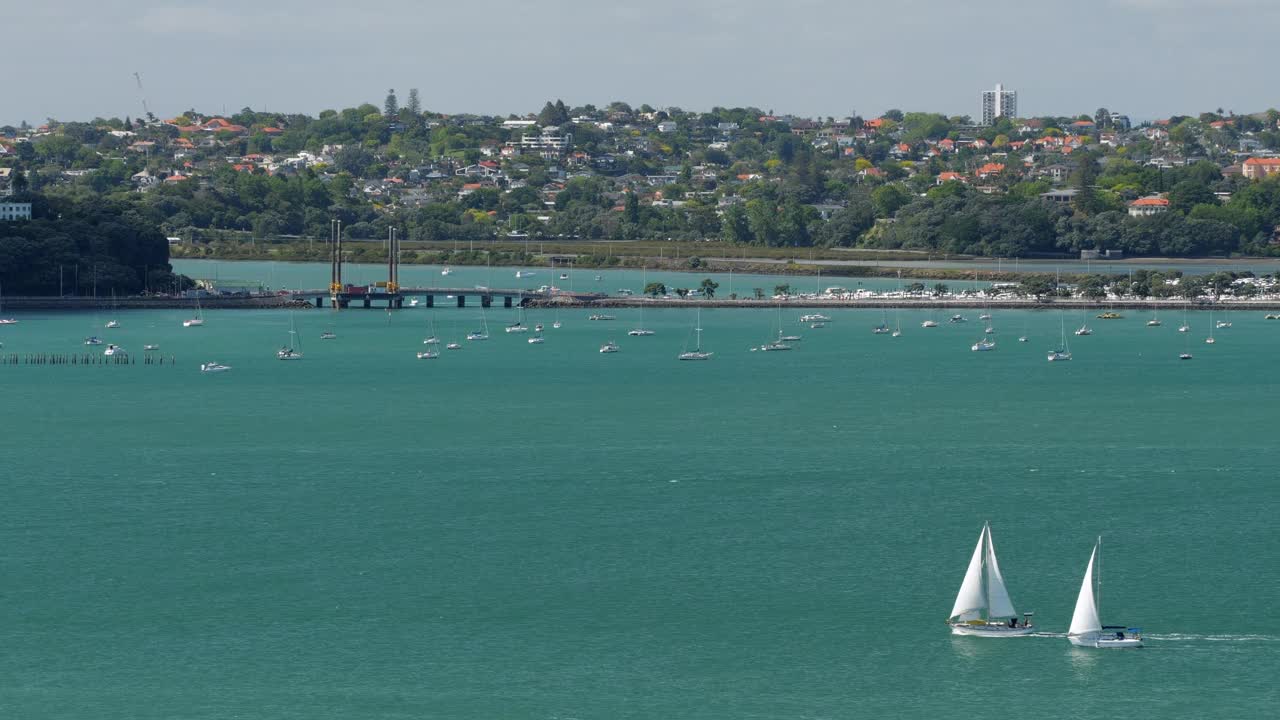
(548, 532)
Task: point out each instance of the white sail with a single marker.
(1085, 619)
(998, 602)
(971, 601)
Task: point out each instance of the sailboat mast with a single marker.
(1097, 596)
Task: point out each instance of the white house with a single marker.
(11, 211)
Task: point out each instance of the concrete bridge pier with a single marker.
(368, 302)
(506, 301)
(486, 300)
(462, 300)
(431, 301)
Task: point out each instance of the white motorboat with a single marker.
(8, 321)
(413, 302)
(328, 335)
(446, 271)
(453, 346)
(556, 325)
(1087, 629)
(114, 350)
(537, 328)
(1209, 341)
(524, 273)
(958, 319)
(929, 324)
(989, 330)
(1184, 356)
(564, 276)
(609, 347)
(1022, 338)
(983, 607)
(1153, 322)
(983, 345)
(213, 367)
(601, 317)
(639, 332)
(93, 340)
(1223, 324)
(536, 340)
(815, 317)
(113, 324)
(1084, 330)
(428, 355)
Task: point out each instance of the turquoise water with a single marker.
(523, 531)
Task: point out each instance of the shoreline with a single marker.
(290, 302)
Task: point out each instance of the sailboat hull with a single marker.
(1098, 640)
(989, 629)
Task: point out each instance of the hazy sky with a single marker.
(75, 59)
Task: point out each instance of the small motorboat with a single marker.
(601, 317)
(113, 350)
(213, 367)
(428, 355)
(609, 347)
(1184, 356)
(639, 332)
(929, 324)
(815, 317)
(113, 324)
(93, 340)
(537, 328)
(958, 319)
(536, 340)
(328, 335)
(453, 346)
(556, 325)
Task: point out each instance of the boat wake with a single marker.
(1187, 637)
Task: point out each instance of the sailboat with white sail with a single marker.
(1087, 629)
(697, 353)
(983, 607)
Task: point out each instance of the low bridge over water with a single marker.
(381, 297)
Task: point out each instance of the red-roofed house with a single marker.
(989, 169)
(1147, 206)
(1255, 168)
(948, 177)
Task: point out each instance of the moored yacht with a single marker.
(815, 317)
(113, 350)
(609, 347)
(93, 340)
(213, 367)
(983, 345)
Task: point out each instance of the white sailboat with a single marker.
(983, 607)
(483, 332)
(196, 321)
(1184, 327)
(1087, 629)
(984, 345)
(1209, 340)
(5, 321)
(113, 323)
(1084, 326)
(640, 330)
(292, 350)
(697, 353)
(1064, 350)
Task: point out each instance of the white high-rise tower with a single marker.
(998, 103)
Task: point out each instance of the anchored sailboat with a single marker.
(1087, 629)
(697, 353)
(983, 603)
